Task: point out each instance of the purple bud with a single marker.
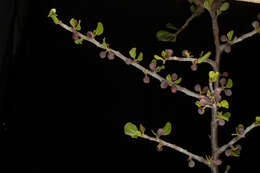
(227, 48)
(205, 89)
(152, 66)
(191, 163)
(102, 54)
(228, 92)
(203, 102)
(89, 34)
(197, 87)
(225, 74)
(75, 35)
(223, 81)
(173, 89)
(228, 152)
(174, 76)
(184, 53)
(221, 122)
(194, 67)
(159, 132)
(217, 91)
(146, 79)
(218, 98)
(169, 52)
(111, 55)
(218, 162)
(164, 84)
(223, 38)
(159, 148)
(201, 111)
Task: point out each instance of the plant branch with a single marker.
(124, 58)
(209, 61)
(235, 139)
(175, 147)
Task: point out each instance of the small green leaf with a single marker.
(235, 153)
(104, 44)
(163, 53)
(73, 22)
(208, 93)
(224, 6)
(204, 57)
(159, 58)
(142, 129)
(213, 76)
(227, 115)
(170, 26)
(230, 35)
(131, 130)
(79, 41)
(140, 57)
(227, 168)
(197, 103)
(176, 82)
(78, 27)
(132, 53)
(167, 128)
(229, 83)
(163, 35)
(169, 78)
(53, 15)
(192, 8)
(99, 30)
(257, 119)
(224, 104)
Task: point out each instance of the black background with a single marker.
(63, 108)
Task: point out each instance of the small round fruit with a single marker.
(221, 122)
(146, 79)
(218, 98)
(102, 54)
(228, 92)
(191, 163)
(152, 66)
(75, 36)
(174, 76)
(223, 81)
(228, 152)
(173, 89)
(194, 67)
(223, 38)
(169, 52)
(159, 132)
(164, 84)
(227, 48)
(111, 56)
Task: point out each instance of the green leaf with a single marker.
(230, 35)
(142, 129)
(169, 78)
(132, 53)
(79, 41)
(227, 115)
(78, 27)
(257, 119)
(224, 6)
(159, 58)
(197, 103)
(163, 35)
(192, 8)
(207, 4)
(204, 57)
(53, 15)
(224, 104)
(73, 23)
(235, 153)
(104, 44)
(167, 129)
(213, 76)
(131, 130)
(170, 26)
(227, 168)
(140, 57)
(176, 82)
(100, 29)
(229, 83)
(163, 53)
(208, 93)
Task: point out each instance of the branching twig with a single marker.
(235, 139)
(124, 58)
(175, 147)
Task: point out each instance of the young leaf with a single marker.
(169, 78)
(227, 115)
(235, 153)
(224, 6)
(142, 129)
(99, 30)
(177, 81)
(163, 35)
(213, 76)
(192, 8)
(159, 58)
(167, 128)
(163, 53)
(230, 35)
(73, 22)
(79, 41)
(78, 27)
(104, 44)
(170, 26)
(197, 103)
(204, 57)
(132, 53)
(257, 119)
(131, 130)
(53, 15)
(224, 104)
(140, 57)
(229, 83)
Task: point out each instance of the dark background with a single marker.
(63, 108)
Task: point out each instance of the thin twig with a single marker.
(138, 66)
(175, 147)
(235, 139)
